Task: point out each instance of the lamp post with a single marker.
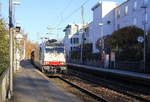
(101, 26)
(82, 34)
(102, 44)
(11, 48)
(145, 37)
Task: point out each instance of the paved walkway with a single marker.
(30, 86)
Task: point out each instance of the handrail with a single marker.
(4, 85)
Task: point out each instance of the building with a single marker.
(108, 17)
(132, 13)
(103, 21)
(72, 39)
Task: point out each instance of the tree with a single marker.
(124, 42)
(29, 48)
(4, 46)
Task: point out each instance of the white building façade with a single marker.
(108, 17)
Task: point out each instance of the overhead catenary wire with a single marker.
(73, 12)
(64, 10)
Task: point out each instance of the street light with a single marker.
(10, 50)
(16, 3)
(11, 25)
(145, 35)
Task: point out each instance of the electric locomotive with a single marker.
(49, 57)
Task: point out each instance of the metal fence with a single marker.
(120, 65)
(4, 85)
(89, 62)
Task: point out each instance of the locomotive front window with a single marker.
(59, 50)
(48, 50)
(51, 50)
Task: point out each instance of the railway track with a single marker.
(130, 91)
(94, 96)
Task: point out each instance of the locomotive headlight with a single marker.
(62, 63)
(46, 62)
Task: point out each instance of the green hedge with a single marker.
(124, 43)
(4, 47)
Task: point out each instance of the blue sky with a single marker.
(36, 15)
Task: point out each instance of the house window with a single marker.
(135, 5)
(118, 13)
(77, 40)
(126, 10)
(71, 48)
(118, 26)
(74, 40)
(134, 21)
(71, 40)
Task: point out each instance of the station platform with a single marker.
(140, 76)
(30, 85)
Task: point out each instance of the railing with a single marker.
(4, 85)
(128, 66)
(93, 62)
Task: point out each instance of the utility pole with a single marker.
(82, 34)
(145, 38)
(10, 49)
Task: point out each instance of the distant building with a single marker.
(72, 39)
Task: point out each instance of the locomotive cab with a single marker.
(53, 58)
(50, 57)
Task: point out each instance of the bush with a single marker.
(124, 43)
(4, 47)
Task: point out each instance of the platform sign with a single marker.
(112, 58)
(107, 60)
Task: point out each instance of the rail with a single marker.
(83, 90)
(4, 85)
